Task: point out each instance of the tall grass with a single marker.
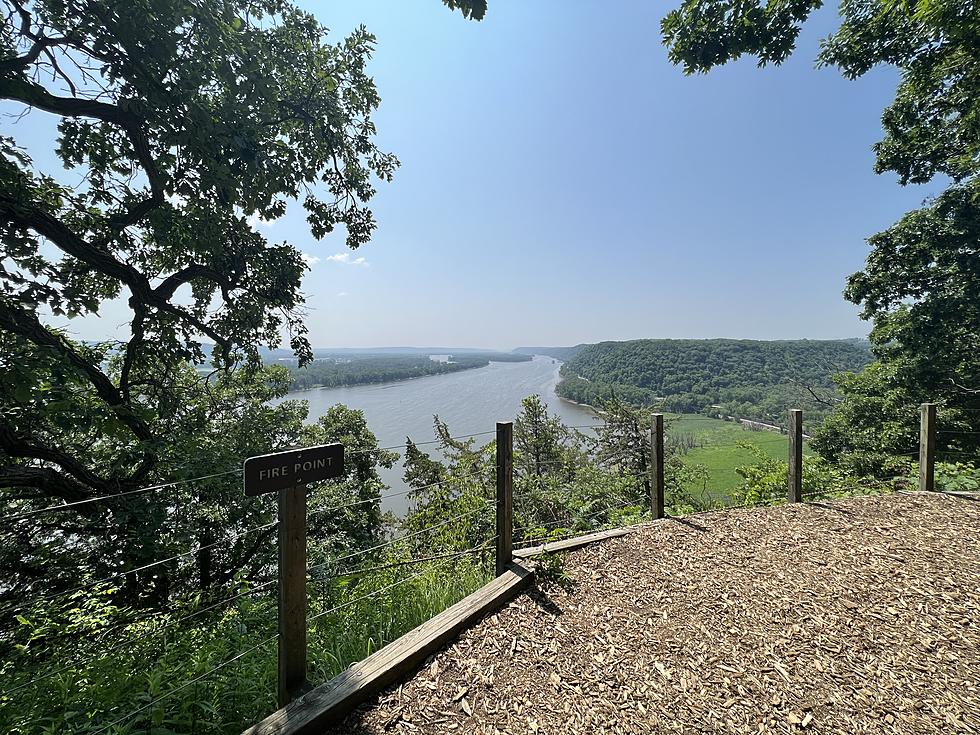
(155, 676)
(386, 608)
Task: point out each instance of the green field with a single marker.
(715, 447)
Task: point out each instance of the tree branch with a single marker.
(244, 556)
(27, 325)
(22, 90)
(171, 283)
(53, 482)
(54, 230)
(17, 447)
(18, 63)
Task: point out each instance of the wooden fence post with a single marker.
(292, 593)
(505, 495)
(927, 447)
(657, 467)
(794, 479)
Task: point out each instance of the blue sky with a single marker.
(561, 182)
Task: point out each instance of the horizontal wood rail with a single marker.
(329, 703)
(571, 543)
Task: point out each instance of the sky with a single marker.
(561, 182)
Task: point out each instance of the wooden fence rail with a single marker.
(293, 558)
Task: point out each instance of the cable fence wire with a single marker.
(535, 542)
(712, 444)
(136, 570)
(103, 498)
(197, 679)
(593, 514)
(373, 593)
(407, 491)
(409, 562)
(428, 442)
(393, 541)
(83, 663)
(184, 481)
(355, 503)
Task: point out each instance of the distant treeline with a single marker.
(362, 369)
(750, 379)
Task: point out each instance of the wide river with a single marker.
(470, 402)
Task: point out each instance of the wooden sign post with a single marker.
(927, 447)
(288, 473)
(794, 475)
(657, 467)
(505, 496)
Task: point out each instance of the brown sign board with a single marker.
(282, 470)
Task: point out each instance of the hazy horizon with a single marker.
(548, 345)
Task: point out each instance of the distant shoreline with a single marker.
(404, 380)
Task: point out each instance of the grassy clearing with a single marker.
(715, 447)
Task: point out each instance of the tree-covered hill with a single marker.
(745, 378)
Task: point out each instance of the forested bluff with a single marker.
(752, 379)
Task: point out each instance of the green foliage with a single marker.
(958, 476)
(474, 9)
(710, 450)
(564, 483)
(541, 441)
(764, 481)
(212, 430)
(380, 607)
(549, 571)
(193, 118)
(702, 34)
(457, 513)
(623, 443)
(875, 425)
(744, 378)
(107, 666)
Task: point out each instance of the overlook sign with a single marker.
(282, 470)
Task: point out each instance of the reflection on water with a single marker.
(470, 402)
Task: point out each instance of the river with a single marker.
(470, 402)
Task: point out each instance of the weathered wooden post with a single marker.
(927, 447)
(505, 495)
(292, 593)
(794, 479)
(657, 467)
(289, 473)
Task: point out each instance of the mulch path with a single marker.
(850, 616)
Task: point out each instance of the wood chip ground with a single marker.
(850, 616)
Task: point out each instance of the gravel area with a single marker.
(850, 616)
